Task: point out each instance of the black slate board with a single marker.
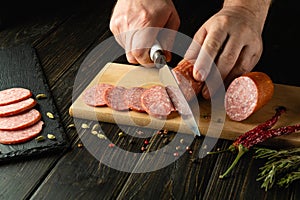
(20, 67)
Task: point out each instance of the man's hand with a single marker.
(132, 22)
(231, 39)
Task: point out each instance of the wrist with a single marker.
(258, 8)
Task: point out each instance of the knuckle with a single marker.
(243, 69)
(214, 45)
(137, 53)
(228, 58)
(112, 26)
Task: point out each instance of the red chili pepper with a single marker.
(271, 133)
(257, 135)
(262, 127)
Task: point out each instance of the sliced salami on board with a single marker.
(247, 94)
(95, 96)
(116, 98)
(184, 75)
(156, 102)
(134, 98)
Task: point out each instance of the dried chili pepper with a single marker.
(262, 127)
(271, 133)
(257, 135)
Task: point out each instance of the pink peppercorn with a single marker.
(146, 142)
(111, 145)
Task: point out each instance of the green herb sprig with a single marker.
(282, 167)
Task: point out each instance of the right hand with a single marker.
(130, 22)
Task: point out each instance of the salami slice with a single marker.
(134, 98)
(13, 95)
(156, 102)
(184, 75)
(177, 100)
(20, 121)
(95, 96)
(20, 136)
(247, 94)
(16, 108)
(116, 98)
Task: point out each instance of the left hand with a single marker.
(232, 39)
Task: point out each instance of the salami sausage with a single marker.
(13, 95)
(20, 136)
(247, 94)
(177, 100)
(20, 121)
(156, 102)
(134, 98)
(95, 96)
(116, 98)
(16, 108)
(184, 75)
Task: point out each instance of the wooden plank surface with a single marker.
(78, 175)
(130, 76)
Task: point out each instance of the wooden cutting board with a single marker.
(214, 126)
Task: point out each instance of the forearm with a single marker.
(259, 8)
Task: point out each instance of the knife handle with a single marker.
(156, 55)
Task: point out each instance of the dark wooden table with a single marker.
(63, 34)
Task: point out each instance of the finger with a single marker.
(116, 26)
(195, 46)
(208, 52)
(213, 83)
(141, 42)
(120, 38)
(130, 58)
(246, 62)
(167, 35)
(229, 56)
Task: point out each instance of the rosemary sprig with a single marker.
(282, 167)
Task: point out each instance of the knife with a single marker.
(169, 81)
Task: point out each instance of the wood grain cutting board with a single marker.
(211, 125)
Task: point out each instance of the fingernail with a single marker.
(202, 75)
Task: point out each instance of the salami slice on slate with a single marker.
(20, 121)
(16, 108)
(13, 95)
(20, 136)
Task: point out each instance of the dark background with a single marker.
(280, 35)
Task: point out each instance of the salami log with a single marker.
(95, 96)
(16, 108)
(134, 98)
(13, 95)
(20, 136)
(116, 98)
(247, 94)
(184, 75)
(20, 121)
(156, 102)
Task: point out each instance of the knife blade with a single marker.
(173, 89)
